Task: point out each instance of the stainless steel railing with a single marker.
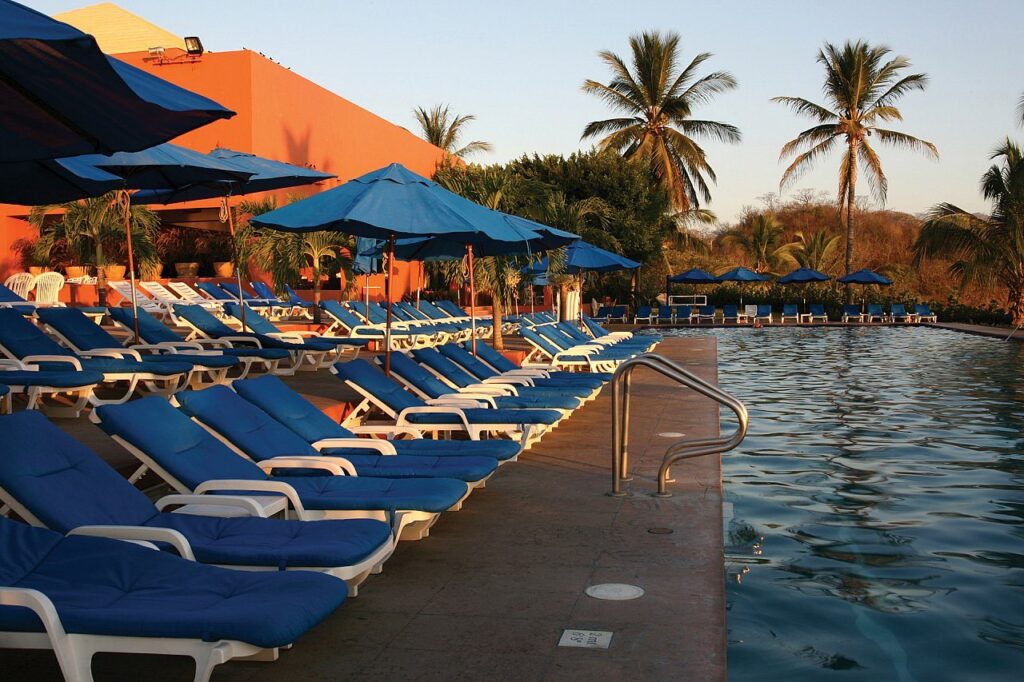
(684, 449)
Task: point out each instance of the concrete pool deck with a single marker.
(489, 593)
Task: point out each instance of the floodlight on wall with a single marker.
(156, 52)
(193, 46)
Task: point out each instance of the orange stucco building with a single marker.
(280, 115)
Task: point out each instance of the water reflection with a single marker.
(877, 505)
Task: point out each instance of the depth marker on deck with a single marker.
(586, 639)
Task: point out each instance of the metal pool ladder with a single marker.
(684, 449)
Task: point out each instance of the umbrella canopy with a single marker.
(693, 276)
(167, 167)
(33, 183)
(394, 202)
(581, 256)
(865, 276)
(61, 96)
(804, 276)
(266, 175)
(741, 275)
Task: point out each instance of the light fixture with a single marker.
(193, 46)
(157, 52)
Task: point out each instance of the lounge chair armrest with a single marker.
(337, 466)
(456, 401)
(242, 339)
(382, 446)
(10, 363)
(531, 373)
(510, 381)
(233, 501)
(293, 337)
(489, 389)
(174, 346)
(434, 409)
(387, 429)
(218, 485)
(41, 605)
(144, 533)
(111, 353)
(155, 347)
(212, 343)
(36, 359)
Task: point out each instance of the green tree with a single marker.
(92, 230)
(986, 250)
(862, 85)
(442, 128)
(761, 241)
(815, 250)
(284, 254)
(655, 100)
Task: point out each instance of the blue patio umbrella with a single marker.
(53, 181)
(394, 202)
(581, 256)
(865, 277)
(691, 276)
(262, 175)
(165, 166)
(63, 97)
(804, 276)
(366, 261)
(741, 275)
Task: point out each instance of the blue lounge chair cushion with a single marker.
(484, 416)
(275, 398)
(55, 378)
(261, 437)
(481, 371)
(161, 368)
(503, 364)
(109, 587)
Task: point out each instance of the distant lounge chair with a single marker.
(852, 313)
(815, 313)
(898, 313)
(619, 313)
(706, 313)
(294, 305)
(750, 311)
(875, 312)
(59, 593)
(790, 311)
(764, 312)
(643, 315)
(339, 348)
(603, 313)
(924, 313)
(666, 314)
(731, 313)
(192, 297)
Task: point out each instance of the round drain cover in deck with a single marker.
(615, 592)
(671, 434)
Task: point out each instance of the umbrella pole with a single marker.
(472, 297)
(580, 306)
(225, 210)
(420, 285)
(387, 298)
(366, 297)
(126, 203)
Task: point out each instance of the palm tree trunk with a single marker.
(1017, 307)
(101, 277)
(316, 294)
(563, 294)
(851, 195)
(497, 339)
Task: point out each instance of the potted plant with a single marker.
(217, 246)
(173, 244)
(92, 230)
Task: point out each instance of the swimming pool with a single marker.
(875, 512)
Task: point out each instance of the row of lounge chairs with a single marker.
(790, 313)
(236, 456)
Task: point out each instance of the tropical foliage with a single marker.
(654, 101)
(442, 128)
(862, 85)
(985, 249)
(761, 240)
(815, 250)
(92, 232)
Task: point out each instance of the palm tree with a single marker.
(444, 129)
(760, 241)
(284, 254)
(815, 250)
(655, 100)
(92, 229)
(986, 250)
(862, 86)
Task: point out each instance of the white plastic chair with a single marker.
(20, 283)
(47, 288)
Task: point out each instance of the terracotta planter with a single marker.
(223, 269)
(187, 269)
(152, 271)
(114, 272)
(74, 271)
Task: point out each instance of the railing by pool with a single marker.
(684, 449)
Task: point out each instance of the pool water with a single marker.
(875, 512)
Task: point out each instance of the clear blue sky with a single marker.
(518, 67)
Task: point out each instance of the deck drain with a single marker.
(615, 592)
(586, 639)
(660, 531)
(671, 434)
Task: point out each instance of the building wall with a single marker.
(280, 115)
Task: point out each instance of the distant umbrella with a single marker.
(865, 276)
(693, 276)
(804, 276)
(741, 274)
